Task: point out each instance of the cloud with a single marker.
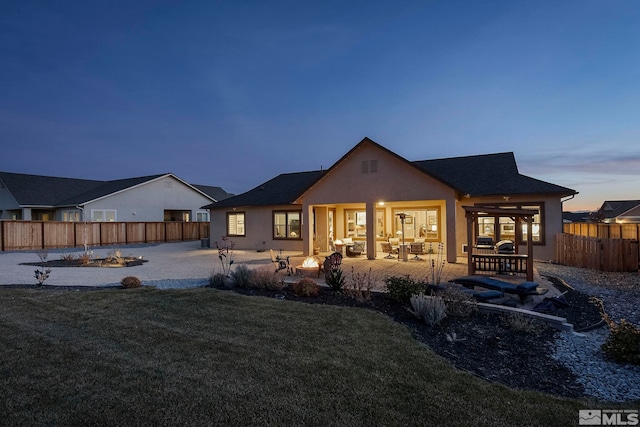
(585, 162)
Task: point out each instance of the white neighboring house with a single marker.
(154, 198)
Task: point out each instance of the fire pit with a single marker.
(310, 267)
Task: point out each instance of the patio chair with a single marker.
(280, 262)
(356, 249)
(395, 243)
(416, 248)
(331, 264)
(386, 247)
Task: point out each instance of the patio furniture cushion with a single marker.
(482, 296)
(522, 291)
(487, 295)
(528, 286)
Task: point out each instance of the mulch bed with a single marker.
(486, 347)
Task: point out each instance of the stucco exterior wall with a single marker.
(395, 180)
(7, 202)
(148, 201)
(258, 228)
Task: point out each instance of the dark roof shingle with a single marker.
(281, 190)
(38, 190)
(487, 175)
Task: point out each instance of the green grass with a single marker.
(208, 357)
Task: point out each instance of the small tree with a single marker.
(225, 254)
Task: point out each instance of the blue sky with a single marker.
(232, 93)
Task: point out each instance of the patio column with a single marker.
(307, 230)
(371, 230)
(530, 248)
(451, 241)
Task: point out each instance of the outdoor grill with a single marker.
(505, 247)
(484, 242)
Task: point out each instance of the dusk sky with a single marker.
(233, 93)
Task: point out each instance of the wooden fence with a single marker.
(598, 253)
(34, 235)
(606, 231)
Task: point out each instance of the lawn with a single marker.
(210, 357)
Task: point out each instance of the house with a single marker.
(578, 216)
(162, 197)
(372, 194)
(619, 212)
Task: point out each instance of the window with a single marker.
(235, 224)
(536, 226)
(103, 215)
(202, 216)
(356, 223)
(505, 227)
(287, 225)
(418, 223)
(71, 216)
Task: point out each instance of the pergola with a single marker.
(519, 216)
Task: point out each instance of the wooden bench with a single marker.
(500, 263)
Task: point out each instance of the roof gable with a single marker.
(615, 208)
(108, 188)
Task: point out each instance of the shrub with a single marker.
(401, 288)
(335, 280)
(67, 257)
(623, 343)
(217, 280)
(85, 258)
(360, 285)
(130, 282)
(305, 288)
(459, 304)
(241, 276)
(41, 276)
(429, 309)
(265, 278)
(522, 323)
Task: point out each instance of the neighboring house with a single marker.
(579, 216)
(619, 212)
(150, 198)
(361, 195)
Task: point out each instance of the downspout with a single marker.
(562, 209)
